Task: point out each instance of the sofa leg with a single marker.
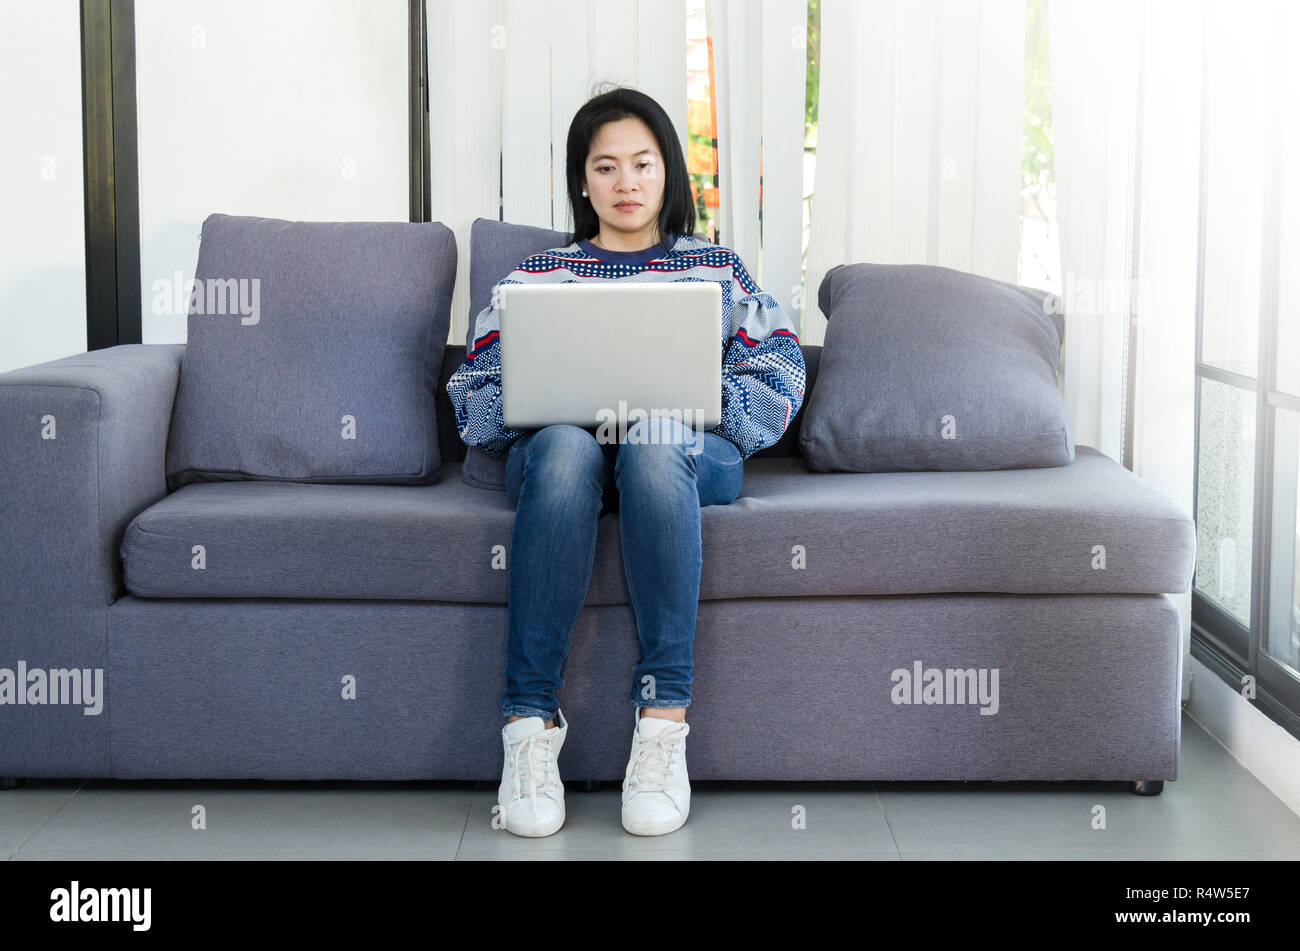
(10, 782)
(588, 785)
(1147, 787)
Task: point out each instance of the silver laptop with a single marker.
(589, 354)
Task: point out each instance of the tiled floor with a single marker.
(1215, 810)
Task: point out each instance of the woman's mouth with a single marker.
(628, 206)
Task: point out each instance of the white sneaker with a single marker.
(656, 791)
(531, 794)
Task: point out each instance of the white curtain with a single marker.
(1164, 359)
(919, 138)
(1126, 109)
(760, 53)
(1095, 81)
(1132, 83)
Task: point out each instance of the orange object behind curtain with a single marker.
(702, 157)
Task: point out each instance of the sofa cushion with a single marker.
(1090, 526)
(328, 369)
(927, 367)
(496, 249)
(450, 445)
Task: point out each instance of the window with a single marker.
(1246, 591)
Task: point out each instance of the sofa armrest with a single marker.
(83, 443)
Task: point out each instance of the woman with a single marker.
(634, 219)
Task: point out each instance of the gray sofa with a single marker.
(362, 634)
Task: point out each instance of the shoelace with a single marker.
(525, 749)
(651, 765)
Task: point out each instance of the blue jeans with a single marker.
(560, 479)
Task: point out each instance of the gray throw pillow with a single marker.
(927, 367)
(313, 352)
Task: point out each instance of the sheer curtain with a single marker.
(760, 54)
(1132, 180)
(919, 138)
(919, 161)
(1127, 89)
(1095, 49)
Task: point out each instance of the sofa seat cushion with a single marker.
(1089, 526)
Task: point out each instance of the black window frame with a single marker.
(1220, 641)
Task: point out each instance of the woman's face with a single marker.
(625, 182)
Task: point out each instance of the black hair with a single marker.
(677, 214)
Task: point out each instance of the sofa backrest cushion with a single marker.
(450, 445)
(313, 352)
(927, 367)
(496, 249)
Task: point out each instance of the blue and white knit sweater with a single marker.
(763, 371)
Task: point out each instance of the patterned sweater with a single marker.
(763, 369)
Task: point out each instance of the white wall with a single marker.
(294, 109)
(42, 221)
